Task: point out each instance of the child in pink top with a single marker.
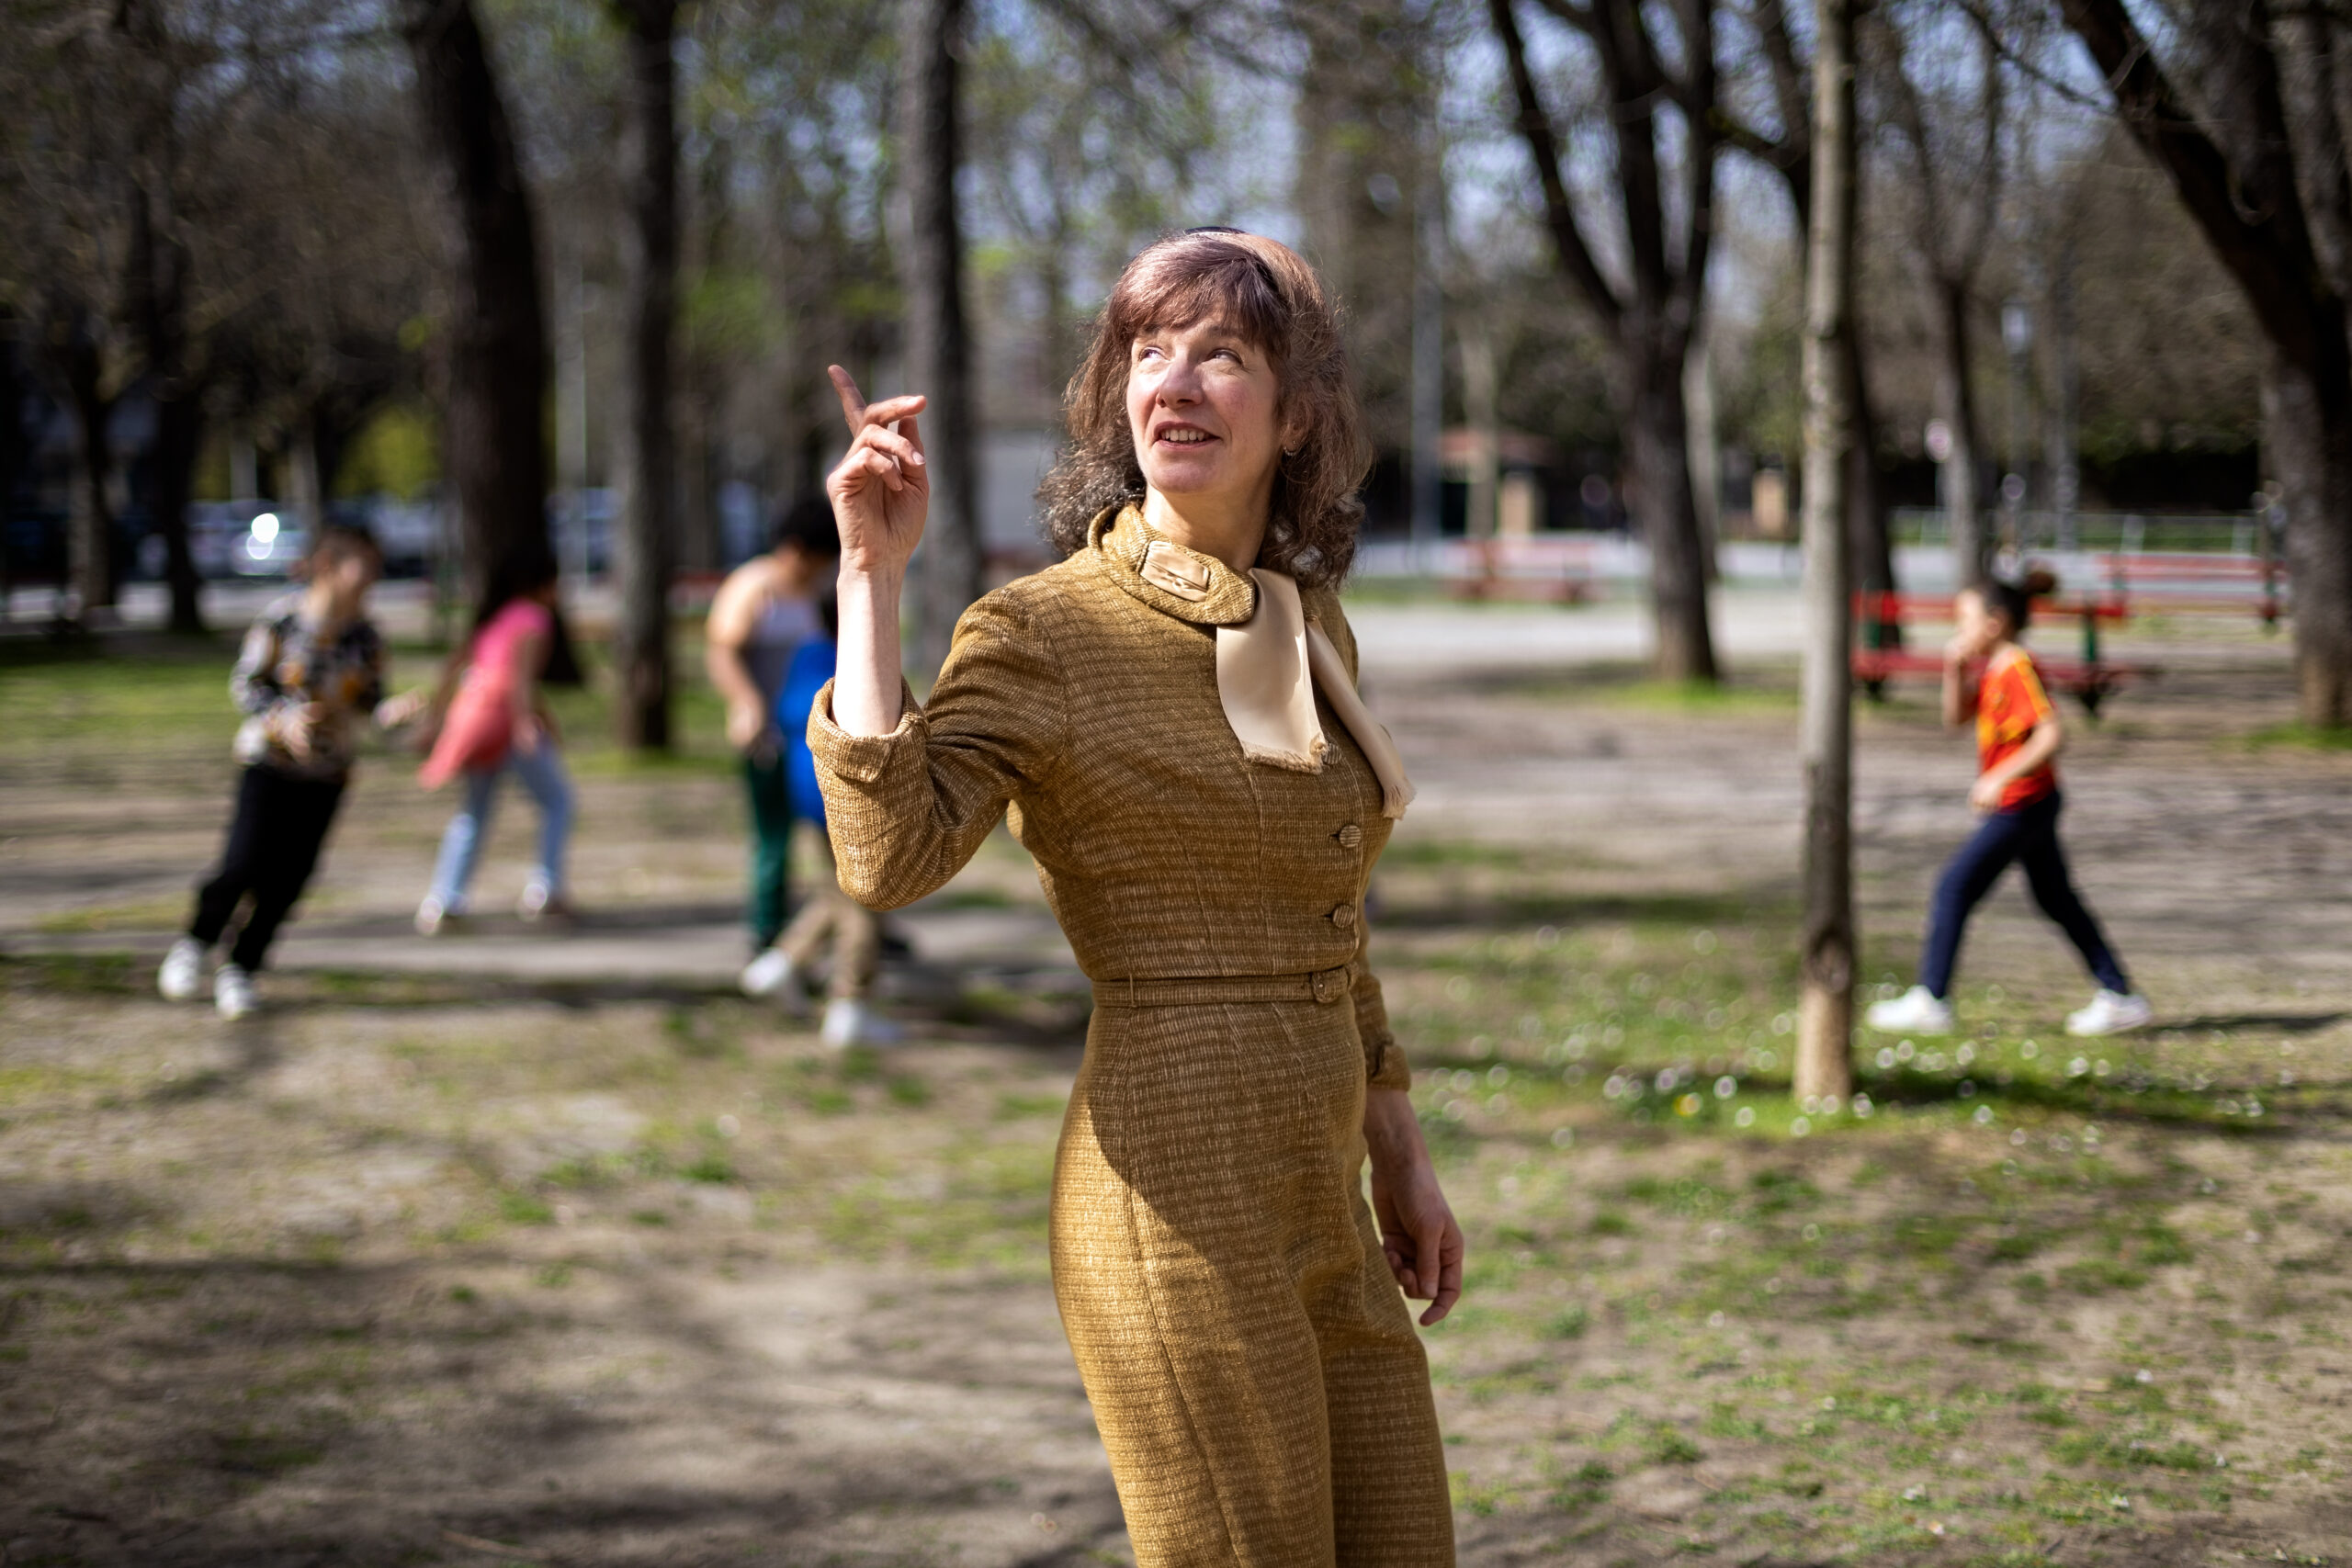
(494, 724)
(495, 697)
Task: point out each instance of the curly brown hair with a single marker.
(1271, 295)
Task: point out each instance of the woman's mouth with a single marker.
(1183, 435)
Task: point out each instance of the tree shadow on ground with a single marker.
(1467, 911)
(255, 1413)
(2285, 1022)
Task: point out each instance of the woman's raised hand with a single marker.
(880, 490)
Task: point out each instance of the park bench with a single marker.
(1882, 653)
(1548, 571)
(2192, 581)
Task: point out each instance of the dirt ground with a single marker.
(499, 1256)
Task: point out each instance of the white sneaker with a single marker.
(434, 918)
(851, 1022)
(1916, 1011)
(541, 905)
(182, 975)
(765, 976)
(2110, 1012)
(232, 992)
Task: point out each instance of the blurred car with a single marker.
(273, 542)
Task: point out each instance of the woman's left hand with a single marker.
(1986, 793)
(1418, 1230)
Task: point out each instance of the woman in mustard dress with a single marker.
(1170, 717)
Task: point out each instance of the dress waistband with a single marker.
(1197, 990)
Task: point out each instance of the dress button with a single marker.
(1351, 837)
(1344, 916)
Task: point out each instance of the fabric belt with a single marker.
(1324, 986)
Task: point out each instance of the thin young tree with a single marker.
(1826, 1011)
(2235, 150)
(647, 455)
(495, 445)
(1663, 181)
(950, 566)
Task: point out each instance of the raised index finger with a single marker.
(852, 401)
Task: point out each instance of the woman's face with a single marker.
(1980, 628)
(1203, 408)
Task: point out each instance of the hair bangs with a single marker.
(1201, 278)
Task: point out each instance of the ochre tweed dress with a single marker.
(1252, 1367)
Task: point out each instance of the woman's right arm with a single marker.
(880, 493)
(910, 792)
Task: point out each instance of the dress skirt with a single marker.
(1253, 1369)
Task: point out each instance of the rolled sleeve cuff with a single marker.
(862, 758)
(1384, 1064)
(1384, 1060)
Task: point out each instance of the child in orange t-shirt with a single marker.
(2018, 735)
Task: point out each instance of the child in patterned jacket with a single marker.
(311, 674)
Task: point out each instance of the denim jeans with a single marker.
(2027, 835)
(542, 774)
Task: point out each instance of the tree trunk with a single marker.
(647, 456)
(2310, 426)
(1826, 1013)
(1649, 330)
(494, 445)
(89, 533)
(1971, 542)
(306, 486)
(1657, 436)
(1706, 455)
(179, 437)
(2232, 158)
(160, 285)
(949, 569)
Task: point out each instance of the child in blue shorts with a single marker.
(830, 914)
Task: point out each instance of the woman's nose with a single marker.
(1182, 384)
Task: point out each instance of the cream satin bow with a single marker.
(1267, 672)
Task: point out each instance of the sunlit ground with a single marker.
(423, 1268)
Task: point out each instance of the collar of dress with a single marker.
(1271, 658)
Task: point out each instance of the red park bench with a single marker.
(2140, 582)
(2090, 679)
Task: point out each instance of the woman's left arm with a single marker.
(1418, 1230)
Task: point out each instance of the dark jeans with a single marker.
(274, 839)
(2029, 834)
(771, 848)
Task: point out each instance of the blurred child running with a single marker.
(496, 722)
(309, 674)
(829, 913)
(2018, 735)
(761, 615)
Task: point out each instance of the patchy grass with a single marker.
(2021, 1298)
